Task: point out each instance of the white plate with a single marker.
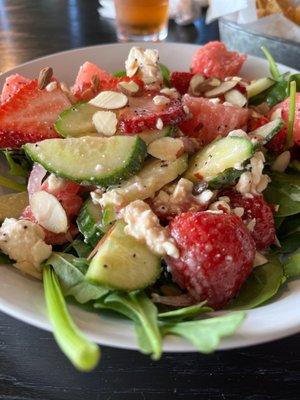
(22, 297)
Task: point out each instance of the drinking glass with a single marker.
(142, 20)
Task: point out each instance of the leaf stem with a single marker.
(291, 120)
(83, 354)
(8, 183)
(272, 64)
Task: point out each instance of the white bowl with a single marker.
(22, 297)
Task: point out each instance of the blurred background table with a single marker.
(31, 365)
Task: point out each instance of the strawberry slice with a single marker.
(181, 81)
(12, 85)
(142, 114)
(28, 116)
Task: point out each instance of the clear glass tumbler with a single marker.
(142, 20)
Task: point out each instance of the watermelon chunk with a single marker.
(12, 84)
(284, 106)
(209, 120)
(83, 80)
(214, 60)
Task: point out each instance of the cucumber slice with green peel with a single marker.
(219, 156)
(123, 263)
(90, 160)
(269, 130)
(12, 205)
(259, 86)
(89, 222)
(76, 121)
(149, 136)
(154, 175)
(226, 178)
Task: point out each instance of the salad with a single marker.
(152, 195)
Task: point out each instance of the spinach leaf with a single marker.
(4, 259)
(18, 163)
(289, 226)
(140, 309)
(71, 273)
(290, 243)
(10, 184)
(119, 74)
(165, 73)
(284, 190)
(272, 64)
(82, 249)
(261, 285)
(185, 312)
(206, 334)
(292, 266)
(80, 350)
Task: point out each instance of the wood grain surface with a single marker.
(31, 365)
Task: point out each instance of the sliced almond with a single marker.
(48, 212)
(259, 259)
(282, 161)
(45, 76)
(276, 114)
(129, 88)
(195, 83)
(161, 100)
(166, 148)
(109, 100)
(105, 122)
(207, 84)
(236, 98)
(221, 89)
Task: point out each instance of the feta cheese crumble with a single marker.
(144, 225)
(253, 181)
(23, 241)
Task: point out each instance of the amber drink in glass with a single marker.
(142, 20)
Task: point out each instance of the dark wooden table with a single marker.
(31, 365)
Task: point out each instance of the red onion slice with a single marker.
(35, 179)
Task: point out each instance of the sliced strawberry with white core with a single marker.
(29, 115)
(143, 114)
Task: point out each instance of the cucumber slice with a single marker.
(76, 121)
(269, 130)
(12, 205)
(123, 263)
(149, 136)
(147, 182)
(90, 160)
(259, 86)
(89, 223)
(226, 178)
(218, 156)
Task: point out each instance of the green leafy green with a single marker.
(70, 271)
(10, 184)
(140, 309)
(165, 73)
(119, 74)
(82, 249)
(272, 64)
(295, 165)
(83, 354)
(4, 259)
(206, 334)
(273, 95)
(108, 216)
(289, 226)
(291, 119)
(292, 266)
(284, 190)
(290, 243)
(185, 312)
(261, 285)
(16, 168)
